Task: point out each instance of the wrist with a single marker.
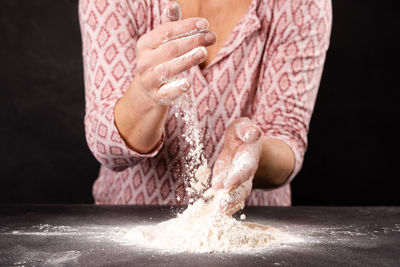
(141, 101)
(139, 120)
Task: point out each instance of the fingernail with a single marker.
(247, 132)
(200, 53)
(163, 79)
(251, 135)
(174, 12)
(214, 183)
(227, 186)
(164, 102)
(210, 37)
(185, 86)
(202, 24)
(222, 207)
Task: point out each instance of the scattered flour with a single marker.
(195, 159)
(203, 228)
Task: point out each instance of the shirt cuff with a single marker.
(120, 155)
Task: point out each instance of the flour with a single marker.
(241, 162)
(171, 85)
(203, 228)
(195, 159)
(202, 175)
(191, 53)
(189, 34)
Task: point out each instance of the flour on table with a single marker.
(203, 228)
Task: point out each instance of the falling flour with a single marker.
(203, 228)
(196, 169)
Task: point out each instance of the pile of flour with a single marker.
(202, 228)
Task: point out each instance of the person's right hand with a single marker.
(168, 50)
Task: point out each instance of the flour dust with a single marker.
(203, 227)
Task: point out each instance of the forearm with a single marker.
(275, 165)
(139, 119)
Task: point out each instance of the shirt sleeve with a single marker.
(290, 75)
(110, 30)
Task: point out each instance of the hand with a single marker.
(237, 163)
(168, 50)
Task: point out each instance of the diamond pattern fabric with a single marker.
(268, 70)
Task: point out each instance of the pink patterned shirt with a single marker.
(269, 70)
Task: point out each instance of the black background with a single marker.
(352, 157)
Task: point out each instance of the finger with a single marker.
(174, 49)
(224, 161)
(164, 71)
(231, 136)
(171, 31)
(171, 91)
(172, 12)
(221, 170)
(236, 198)
(230, 148)
(244, 165)
(247, 131)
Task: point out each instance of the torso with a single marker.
(253, 78)
(221, 16)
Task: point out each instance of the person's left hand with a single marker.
(237, 163)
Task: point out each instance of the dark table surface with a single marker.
(91, 235)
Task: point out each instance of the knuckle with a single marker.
(188, 27)
(196, 41)
(163, 72)
(169, 31)
(173, 50)
(238, 120)
(139, 43)
(144, 80)
(141, 66)
(189, 61)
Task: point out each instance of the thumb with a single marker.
(247, 131)
(171, 13)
